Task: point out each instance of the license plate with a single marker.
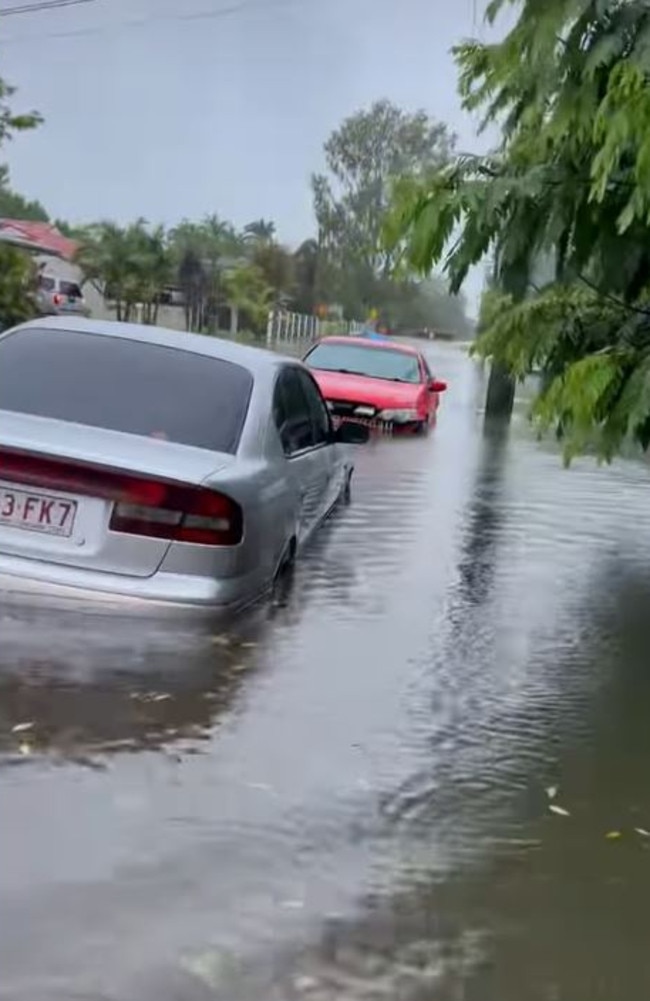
(36, 512)
(375, 426)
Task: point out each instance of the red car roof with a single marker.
(366, 342)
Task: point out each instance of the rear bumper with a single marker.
(43, 583)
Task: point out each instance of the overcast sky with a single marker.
(175, 108)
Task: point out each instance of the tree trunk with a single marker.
(234, 321)
(500, 393)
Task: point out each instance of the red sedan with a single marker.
(378, 382)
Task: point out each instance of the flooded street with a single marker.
(346, 795)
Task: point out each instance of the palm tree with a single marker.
(260, 231)
(247, 291)
(130, 265)
(191, 262)
(200, 252)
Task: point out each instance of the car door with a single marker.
(329, 454)
(306, 465)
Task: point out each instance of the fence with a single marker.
(299, 328)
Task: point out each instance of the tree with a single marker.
(247, 292)
(570, 84)
(428, 304)
(277, 265)
(17, 286)
(307, 273)
(260, 231)
(10, 122)
(14, 206)
(364, 157)
(17, 274)
(195, 261)
(72, 231)
(130, 265)
(200, 251)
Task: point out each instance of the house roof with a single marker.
(39, 236)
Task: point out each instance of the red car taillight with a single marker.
(149, 507)
(183, 514)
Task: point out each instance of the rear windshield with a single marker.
(357, 359)
(125, 385)
(71, 289)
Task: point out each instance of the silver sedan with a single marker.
(158, 467)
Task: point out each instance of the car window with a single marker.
(70, 289)
(317, 408)
(126, 385)
(46, 284)
(425, 369)
(375, 361)
(292, 413)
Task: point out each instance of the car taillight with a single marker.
(142, 506)
(184, 514)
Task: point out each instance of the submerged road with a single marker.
(420, 773)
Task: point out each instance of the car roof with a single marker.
(367, 342)
(257, 360)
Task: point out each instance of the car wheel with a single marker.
(421, 428)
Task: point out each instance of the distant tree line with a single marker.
(221, 274)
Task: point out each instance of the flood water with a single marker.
(347, 794)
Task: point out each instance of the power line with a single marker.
(40, 7)
(121, 26)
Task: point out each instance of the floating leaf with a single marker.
(559, 810)
(22, 727)
(551, 792)
(642, 831)
(25, 749)
(613, 835)
(221, 640)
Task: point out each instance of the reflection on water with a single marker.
(462, 648)
(484, 517)
(47, 710)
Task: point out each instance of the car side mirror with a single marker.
(351, 433)
(437, 386)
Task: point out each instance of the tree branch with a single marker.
(613, 298)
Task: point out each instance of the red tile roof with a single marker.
(39, 236)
